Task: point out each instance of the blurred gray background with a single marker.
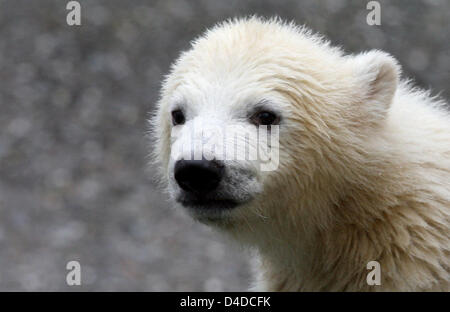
(73, 152)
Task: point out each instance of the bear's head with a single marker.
(266, 88)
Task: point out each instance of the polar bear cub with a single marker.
(360, 160)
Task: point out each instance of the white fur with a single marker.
(364, 170)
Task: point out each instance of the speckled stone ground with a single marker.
(73, 109)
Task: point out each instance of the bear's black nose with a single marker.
(198, 176)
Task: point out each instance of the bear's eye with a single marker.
(264, 118)
(177, 117)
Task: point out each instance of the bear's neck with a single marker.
(325, 244)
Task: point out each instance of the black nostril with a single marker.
(198, 176)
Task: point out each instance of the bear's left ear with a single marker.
(377, 75)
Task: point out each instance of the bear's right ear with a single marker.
(377, 75)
